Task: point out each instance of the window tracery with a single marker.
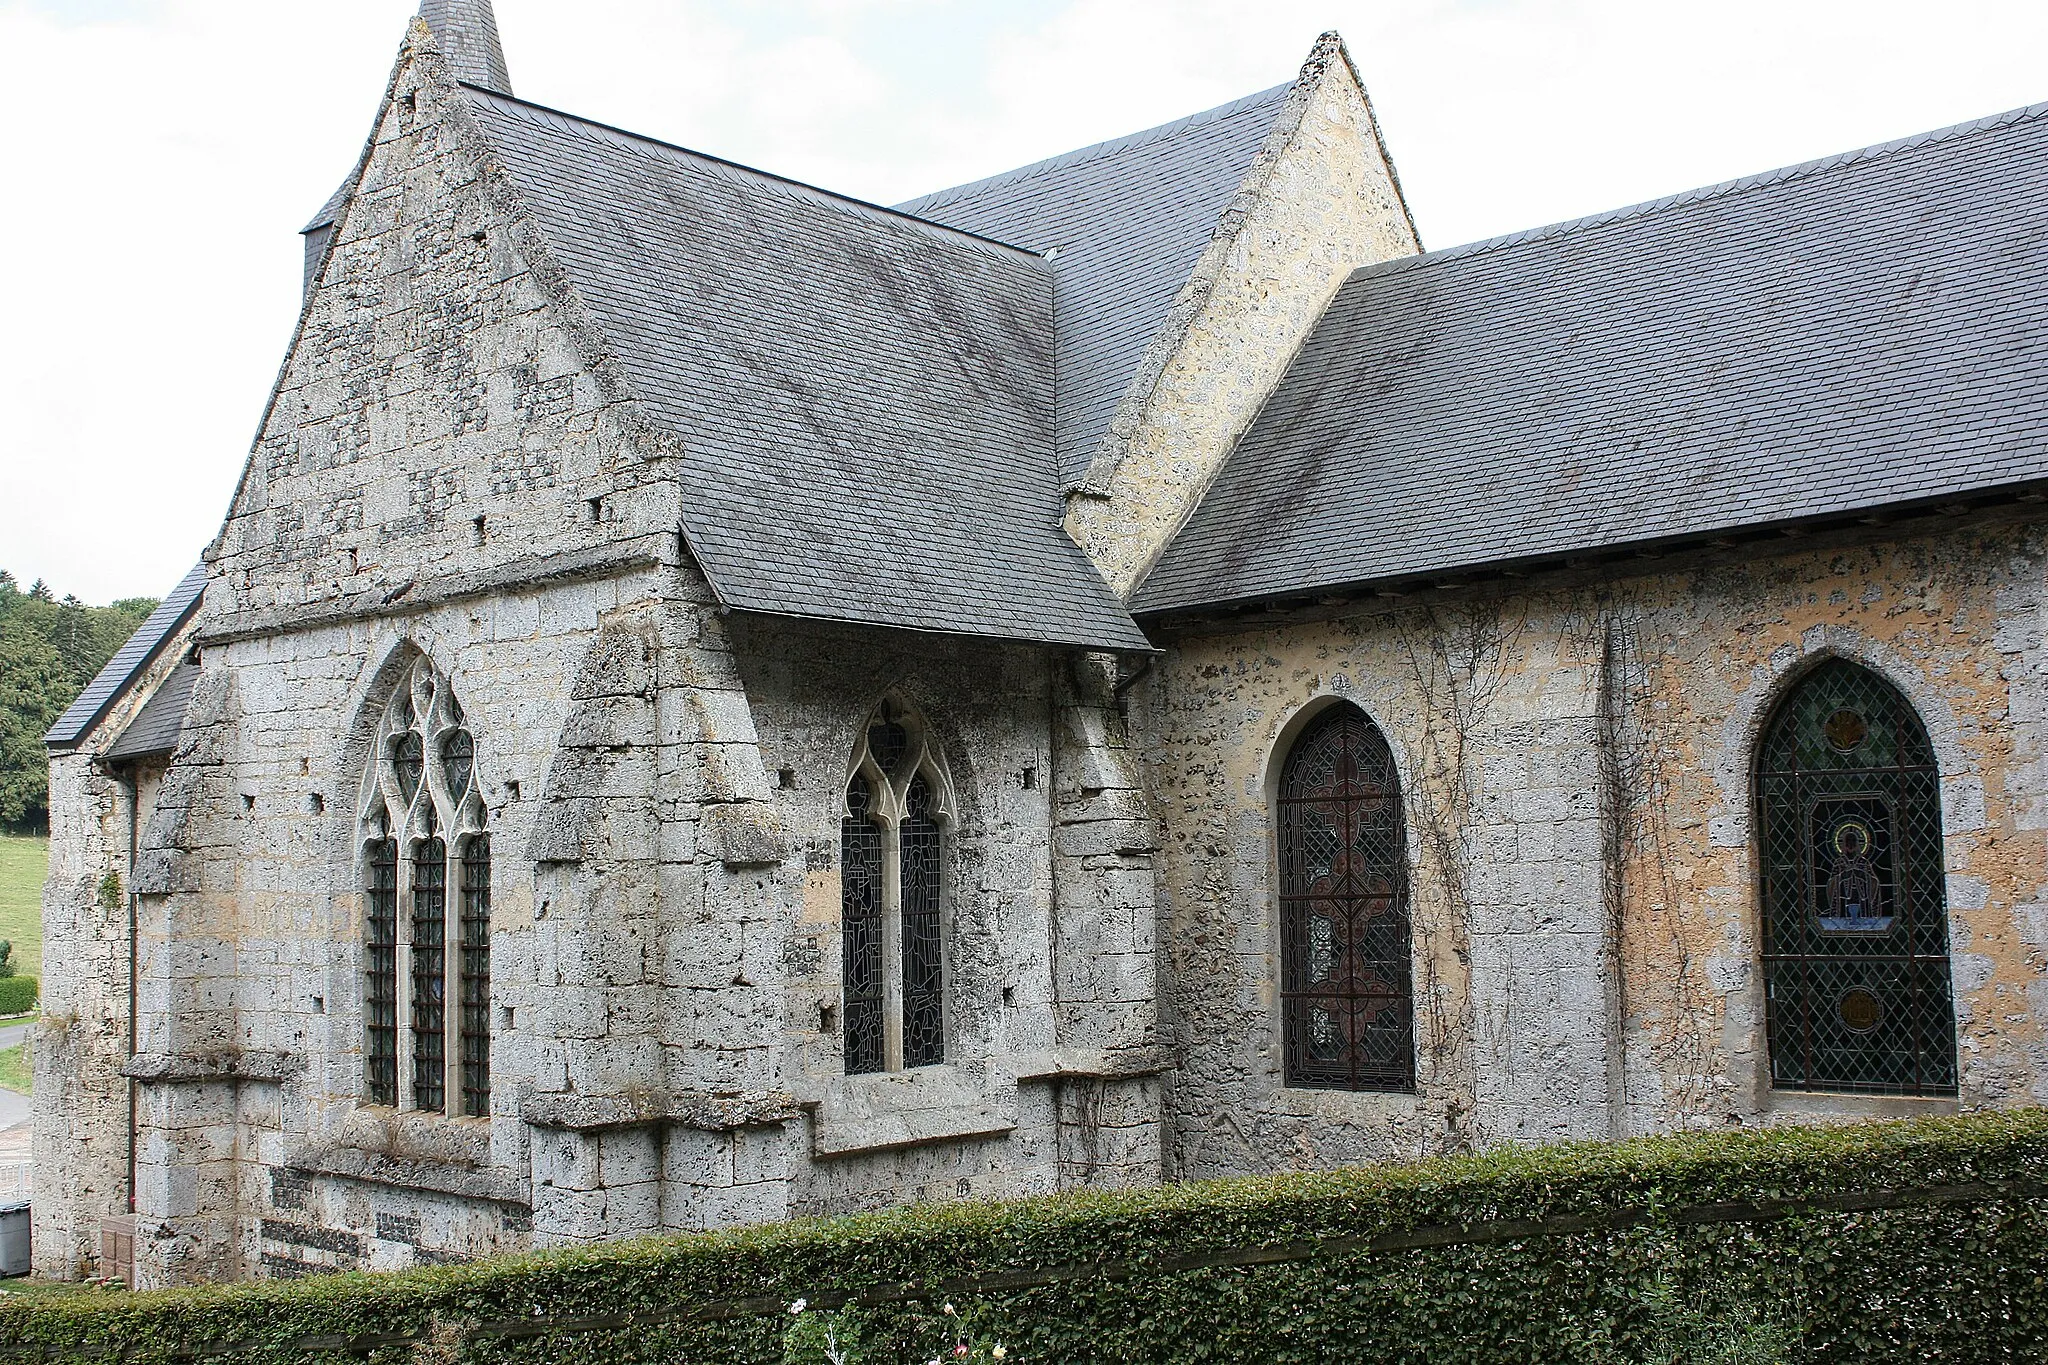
(892, 868)
(424, 831)
(1346, 989)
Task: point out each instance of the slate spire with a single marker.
(468, 34)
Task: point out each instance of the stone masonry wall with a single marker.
(1511, 718)
(1320, 201)
(81, 1098)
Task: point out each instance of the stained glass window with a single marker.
(429, 973)
(892, 846)
(1346, 994)
(924, 1022)
(1854, 919)
(380, 972)
(424, 836)
(476, 975)
(860, 929)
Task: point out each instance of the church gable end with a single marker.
(1320, 199)
(442, 425)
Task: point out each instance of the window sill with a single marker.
(888, 1110)
(1304, 1102)
(1851, 1104)
(414, 1150)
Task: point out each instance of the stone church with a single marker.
(716, 701)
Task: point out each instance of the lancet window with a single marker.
(426, 854)
(1855, 920)
(1346, 989)
(892, 869)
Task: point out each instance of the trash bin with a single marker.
(14, 1257)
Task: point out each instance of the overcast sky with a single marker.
(161, 155)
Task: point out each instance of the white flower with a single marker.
(799, 1305)
(996, 1352)
(947, 1310)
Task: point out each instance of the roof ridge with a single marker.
(1094, 151)
(1798, 170)
(642, 143)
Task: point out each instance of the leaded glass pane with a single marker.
(429, 974)
(924, 1022)
(860, 930)
(380, 974)
(476, 975)
(408, 761)
(1855, 924)
(1346, 978)
(458, 761)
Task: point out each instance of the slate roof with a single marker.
(1128, 218)
(1862, 330)
(128, 662)
(865, 398)
(155, 728)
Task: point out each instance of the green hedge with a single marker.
(17, 994)
(1919, 1241)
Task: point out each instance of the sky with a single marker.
(162, 154)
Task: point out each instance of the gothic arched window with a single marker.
(891, 896)
(424, 835)
(1855, 921)
(1346, 982)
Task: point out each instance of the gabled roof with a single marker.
(1128, 220)
(865, 399)
(129, 662)
(1858, 331)
(467, 34)
(155, 729)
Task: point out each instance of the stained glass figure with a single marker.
(924, 1015)
(860, 930)
(1854, 919)
(1346, 978)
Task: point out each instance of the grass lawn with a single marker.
(16, 1069)
(24, 860)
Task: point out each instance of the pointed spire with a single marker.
(468, 34)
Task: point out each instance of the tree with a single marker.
(33, 693)
(38, 634)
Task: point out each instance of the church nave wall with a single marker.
(1576, 772)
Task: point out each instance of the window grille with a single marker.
(423, 821)
(429, 973)
(380, 973)
(892, 844)
(476, 975)
(1346, 991)
(1854, 914)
